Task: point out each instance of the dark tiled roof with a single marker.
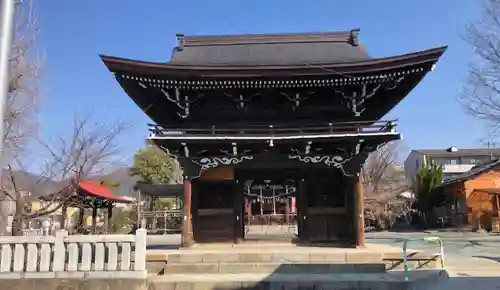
(270, 49)
(471, 173)
(160, 190)
(460, 152)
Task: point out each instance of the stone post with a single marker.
(59, 251)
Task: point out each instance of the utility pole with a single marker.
(6, 31)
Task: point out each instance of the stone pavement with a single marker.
(418, 280)
(472, 259)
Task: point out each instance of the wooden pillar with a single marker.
(94, 218)
(64, 216)
(239, 207)
(359, 218)
(109, 224)
(187, 225)
(274, 200)
(139, 210)
(287, 209)
(495, 220)
(81, 217)
(248, 206)
(302, 208)
(153, 209)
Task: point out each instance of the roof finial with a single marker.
(180, 40)
(353, 38)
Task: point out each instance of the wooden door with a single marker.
(214, 214)
(327, 215)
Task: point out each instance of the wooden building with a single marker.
(472, 198)
(297, 108)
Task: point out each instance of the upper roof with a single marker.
(269, 49)
(459, 152)
(213, 74)
(254, 55)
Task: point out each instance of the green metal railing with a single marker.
(426, 239)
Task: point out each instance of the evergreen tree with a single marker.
(155, 166)
(428, 177)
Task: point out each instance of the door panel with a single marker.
(213, 218)
(326, 211)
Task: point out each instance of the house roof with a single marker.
(269, 49)
(476, 170)
(459, 152)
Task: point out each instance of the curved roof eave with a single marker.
(122, 65)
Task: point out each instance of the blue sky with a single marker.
(73, 33)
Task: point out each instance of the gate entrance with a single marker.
(270, 210)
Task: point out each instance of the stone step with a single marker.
(275, 257)
(235, 268)
(418, 280)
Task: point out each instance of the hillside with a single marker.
(40, 186)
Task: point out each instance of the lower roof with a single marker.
(320, 144)
(284, 137)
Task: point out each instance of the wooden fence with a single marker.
(74, 256)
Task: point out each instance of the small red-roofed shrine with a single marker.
(90, 195)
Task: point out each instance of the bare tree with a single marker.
(378, 172)
(22, 99)
(384, 182)
(91, 149)
(480, 96)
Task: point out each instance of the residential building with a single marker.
(471, 198)
(454, 161)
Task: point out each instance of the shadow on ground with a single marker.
(310, 277)
(465, 281)
(495, 259)
(456, 283)
(162, 247)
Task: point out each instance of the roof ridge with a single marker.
(350, 36)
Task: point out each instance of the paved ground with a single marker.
(472, 259)
(457, 244)
(465, 252)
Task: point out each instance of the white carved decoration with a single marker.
(356, 99)
(241, 100)
(183, 104)
(213, 162)
(330, 161)
(296, 99)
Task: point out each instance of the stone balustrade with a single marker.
(73, 256)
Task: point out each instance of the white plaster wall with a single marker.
(412, 164)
